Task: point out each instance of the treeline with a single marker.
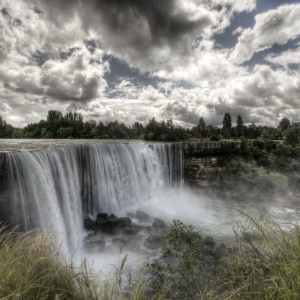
(71, 125)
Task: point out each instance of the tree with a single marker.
(202, 127)
(227, 121)
(292, 136)
(239, 126)
(284, 124)
(226, 125)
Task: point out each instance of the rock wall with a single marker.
(203, 162)
(4, 194)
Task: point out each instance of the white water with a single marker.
(55, 189)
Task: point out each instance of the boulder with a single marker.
(101, 216)
(154, 242)
(221, 251)
(112, 216)
(142, 216)
(158, 223)
(88, 223)
(209, 242)
(118, 223)
(131, 229)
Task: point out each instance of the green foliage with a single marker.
(284, 124)
(267, 265)
(292, 136)
(227, 121)
(202, 127)
(239, 126)
(185, 278)
(155, 131)
(71, 125)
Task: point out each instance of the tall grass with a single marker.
(32, 267)
(267, 265)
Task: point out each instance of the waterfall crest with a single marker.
(55, 189)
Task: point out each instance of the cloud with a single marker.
(286, 58)
(276, 26)
(39, 59)
(76, 79)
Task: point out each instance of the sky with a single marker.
(131, 60)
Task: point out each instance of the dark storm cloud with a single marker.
(131, 28)
(164, 24)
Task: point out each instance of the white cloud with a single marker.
(286, 58)
(274, 26)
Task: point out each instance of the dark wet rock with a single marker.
(89, 223)
(112, 216)
(221, 251)
(118, 223)
(142, 216)
(102, 216)
(158, 223)
(109, 224)
(207, 251)
(209, 242)
(131, 229)
(154, 242)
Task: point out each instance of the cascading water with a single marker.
(55, 189)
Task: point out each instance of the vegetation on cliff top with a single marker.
(72, 125)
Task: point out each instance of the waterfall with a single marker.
(54, 189)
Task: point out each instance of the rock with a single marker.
(158, 223)
(102, 224)
(112, 216)
(142, 216)
(102, 216)
(118, 223)
(209, 242)
(132, 229)
(154, 242)
(88, 223)
(207, 251)
(221, 251)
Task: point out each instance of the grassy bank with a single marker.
(266, 265)
(31, 267)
